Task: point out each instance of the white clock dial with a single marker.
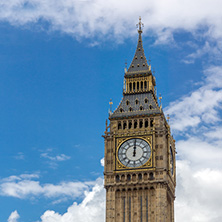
(134, 152)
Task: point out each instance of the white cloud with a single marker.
(24, 187)
(102, 162)
(198, 194)
(61, 157)
(202, 105)
(92, 208)
(14, 216)
(112, 17)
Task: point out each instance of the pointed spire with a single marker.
(139, 63)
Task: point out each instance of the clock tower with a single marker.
(139, 169)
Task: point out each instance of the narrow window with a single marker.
(134, 86)
(140, 176)
(141, 85)
(151, 107)
(124, 125)
(130, 87)
(119, 125)
(137, 101)
(146, 100)
(141, 108)
(117, 178)
(151, 123)
(128, 177)
(127, 102)
(130, 109)
(145, 85)
(130, 125)
(141, 123)
(138, 86)
(135, 124)
(146, 123)
(121, 110)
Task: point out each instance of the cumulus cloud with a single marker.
(198, 194)
(25, 187)
(114, 18)
(201, 106)
(92, 208)
(14, 216)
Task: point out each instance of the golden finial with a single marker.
(110, 109)
(160, 99)
(140, 25)
(168, 118)
(125, 69)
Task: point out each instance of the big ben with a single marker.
(139, 166)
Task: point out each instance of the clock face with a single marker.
(134, 152)
(171, 161)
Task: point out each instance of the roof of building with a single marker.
(137, 104)
(139, 62)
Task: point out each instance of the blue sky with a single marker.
(61, 62)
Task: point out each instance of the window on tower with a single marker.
(141, 123)
(130, 124)
(146, 123)
(135, 124)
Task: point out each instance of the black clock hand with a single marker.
(134, 148)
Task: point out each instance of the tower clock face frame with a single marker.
(134, 152)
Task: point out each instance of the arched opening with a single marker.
(151, 107)
(128, 177)
(130, 87)
(146, 100)
(119, 125)
(130, 109)
(141, 123)
(124, 125)
(151, 123)
(151, 176)
(145, 176)
(117, 178)
(141, 108)
(145, 85)
(127, 102)
(138, 86)
(141, 86)
(137, 101)
(140, 176)
(134, 177)
(146, 123)
(123, 178)
(135, 124)
(121, 110)
(130, 125)
(134, 87)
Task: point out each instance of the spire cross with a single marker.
(140, 25)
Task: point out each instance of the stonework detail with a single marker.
(141, 192)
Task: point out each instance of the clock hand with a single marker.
(134, 148)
